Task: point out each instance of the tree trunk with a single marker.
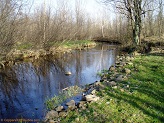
(137, 22)
(136, 34)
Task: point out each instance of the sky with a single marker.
(92, 7)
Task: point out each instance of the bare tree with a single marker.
(160, 18)
(134, 10)
(44, 25)
(9, 11)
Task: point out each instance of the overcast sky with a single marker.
(92, 7)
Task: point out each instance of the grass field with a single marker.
(140, 99)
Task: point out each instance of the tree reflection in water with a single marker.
(25, 86)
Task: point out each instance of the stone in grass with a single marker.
(112, 83)
(114, 87)
(120, 78)
(91, 98)
(128, 58)
(77, 119)
(127, 71)
(52, 114)
(122, 90)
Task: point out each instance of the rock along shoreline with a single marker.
(114, 75)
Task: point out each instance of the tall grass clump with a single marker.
(62, 96)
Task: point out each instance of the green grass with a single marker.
(69, 43)
(61, 44)
(76, 44)
(24, 46)
(102, 72)
(141, 102)
(62, 96)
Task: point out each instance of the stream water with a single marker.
(25, 86)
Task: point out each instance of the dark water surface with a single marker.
(25, 86)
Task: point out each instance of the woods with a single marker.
(45, 25)
(138, 11)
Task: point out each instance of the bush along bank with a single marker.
(130, 91)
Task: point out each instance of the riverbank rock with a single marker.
(71, 105)
(51, 115)
(117, 63)
(112, 78)
(91, 98)
(59, 108)
(72, 108)
(51, 121)
(123, 63)
(93, 92)
(98, 85)
(112, 83)
(112, 68)
(128, 58)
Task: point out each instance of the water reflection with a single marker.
(25, 86)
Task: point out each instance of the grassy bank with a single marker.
(154, 39)
(27, 50)
(76, 44)
(139, 99)
(70, 45)
(56, 44)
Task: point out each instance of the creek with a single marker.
(26, 85)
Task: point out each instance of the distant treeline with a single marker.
(45, 24)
